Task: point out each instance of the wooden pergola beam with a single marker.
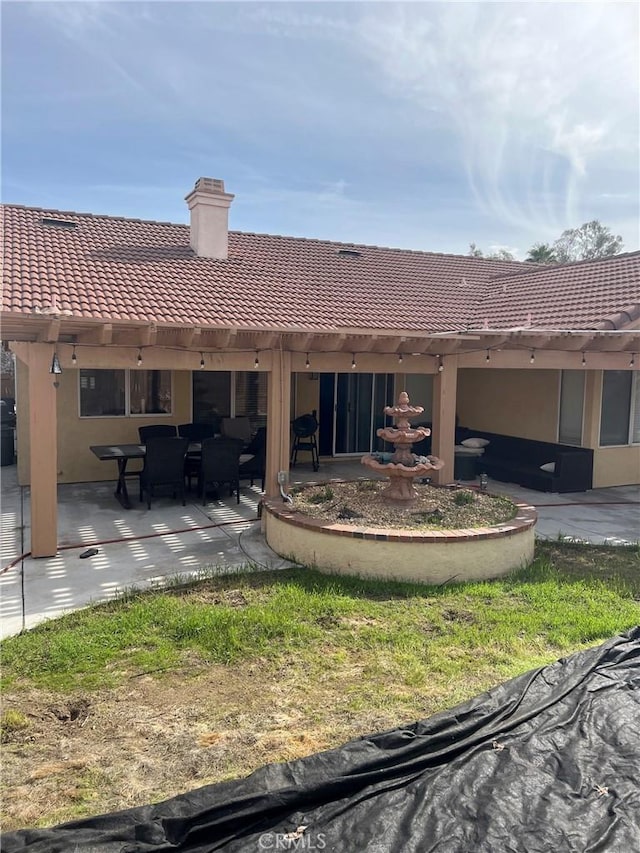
(190, 338)
(50, 333)
(331, 343)
(299, 342)
(101, 335)
(265, 340)
(142, 336)
(616, 343)
(222, 338)
(365, 343)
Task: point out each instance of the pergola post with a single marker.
(278, 420)
(444, 418)
(43, 456)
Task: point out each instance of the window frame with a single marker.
(127, 396)
(561, 372)
(634, 392)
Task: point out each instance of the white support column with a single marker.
(444, 417)
(43, 444)
(278, 420)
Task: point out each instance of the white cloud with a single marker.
(501, 122)
(538, 94)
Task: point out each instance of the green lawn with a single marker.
(238, 655)
(571, 596)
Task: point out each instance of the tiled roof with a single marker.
(129, 270)
(601, 294)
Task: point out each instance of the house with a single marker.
(153, 320)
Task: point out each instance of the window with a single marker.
(120, 393)
(218, 394)
(251, 397)
(571, 407)
(150, 392)
(211, 396)
(102, 393)
(620, 412)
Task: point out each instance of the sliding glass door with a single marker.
(359, 400)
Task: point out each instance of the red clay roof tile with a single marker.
(128, 269)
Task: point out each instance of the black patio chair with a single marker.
(304, 438)
(163, 466)
(220, 464)
(254, 468)
(196, 431)
(156, 431)
(237, 428)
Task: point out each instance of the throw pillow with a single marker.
(475, 442)
(548, 466)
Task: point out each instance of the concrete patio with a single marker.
(141, 548)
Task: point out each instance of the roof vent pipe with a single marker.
(209, 207)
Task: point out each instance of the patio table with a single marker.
(122, 453)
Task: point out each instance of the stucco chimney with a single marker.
(209, 205)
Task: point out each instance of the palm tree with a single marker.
(542, 253)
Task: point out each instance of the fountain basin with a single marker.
(431, 557)
(401, 477)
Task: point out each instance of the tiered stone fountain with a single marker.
(403, 466)
(430, 556)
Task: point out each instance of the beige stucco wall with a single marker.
(425, 562)
(510, 402)
(616, 466)
(76, 463)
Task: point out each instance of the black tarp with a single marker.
(548, 761)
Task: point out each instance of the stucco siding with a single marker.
(511, 402)
(76, 463)
(616, 466)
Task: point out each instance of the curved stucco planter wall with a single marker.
(434, 557)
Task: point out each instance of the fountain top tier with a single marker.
(402, 413)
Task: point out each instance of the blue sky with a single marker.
(419, 125)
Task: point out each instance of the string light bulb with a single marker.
(400, 358)
(584, 359)
(633, 359)
(488, 358)
(139, 360)
(353, 360)
(533, 357)
(440, 364)
(201, 361)
(307, 363)
(256, 363)
(74, 357)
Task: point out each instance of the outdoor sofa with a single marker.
(511, 459)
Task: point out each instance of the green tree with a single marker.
(501, 255)
(498, 255)
(542, 253)
(592, 240)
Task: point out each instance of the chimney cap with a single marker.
(209, 185)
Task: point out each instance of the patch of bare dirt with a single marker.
(156, 737)
(362, 503)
